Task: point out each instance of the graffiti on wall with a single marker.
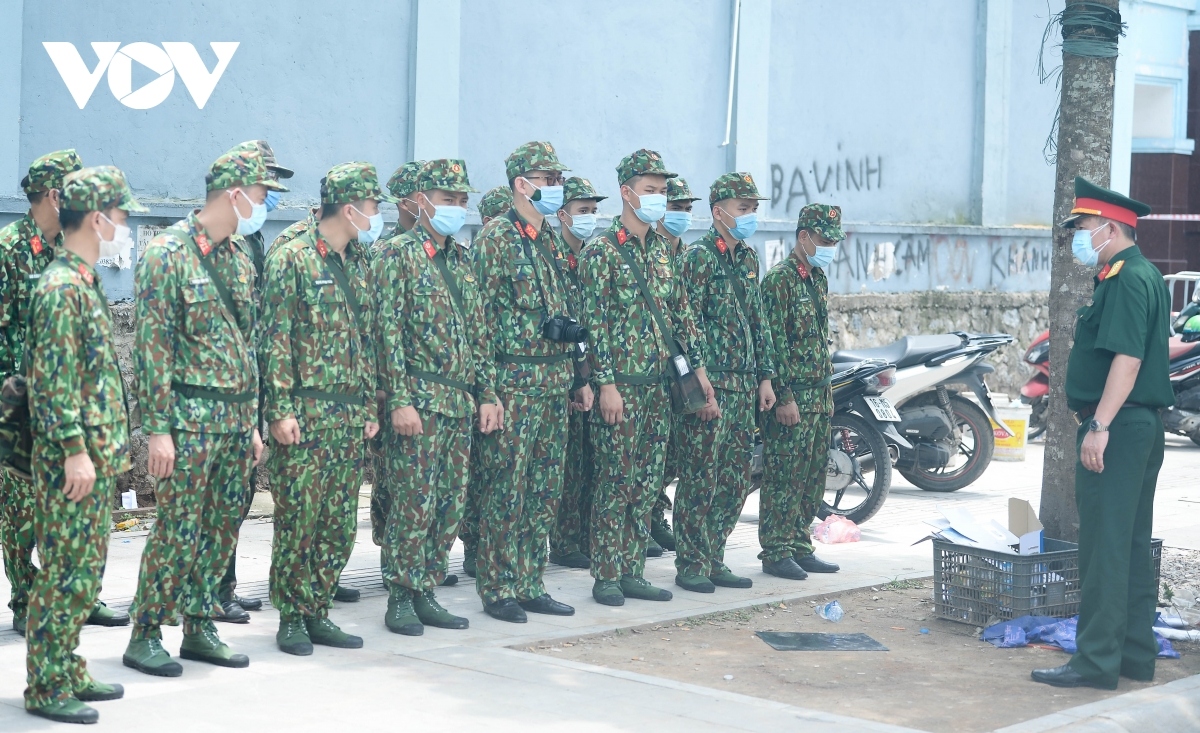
(809, 183)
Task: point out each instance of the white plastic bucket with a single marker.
(1015, 415)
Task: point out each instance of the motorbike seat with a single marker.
(906, 352)
(1177, 348)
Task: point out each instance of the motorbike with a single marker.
(1036, 392)
(858, 474)
(952, 437)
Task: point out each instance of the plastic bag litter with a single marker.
(1059, 632)
(836, 529)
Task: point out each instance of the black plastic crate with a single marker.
(979, 587)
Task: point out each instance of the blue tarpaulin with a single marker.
(1058, 632)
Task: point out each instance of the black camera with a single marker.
(564, 329)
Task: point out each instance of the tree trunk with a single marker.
(1084, 149)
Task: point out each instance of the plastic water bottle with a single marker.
(831, 611)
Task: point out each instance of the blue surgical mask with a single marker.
(258, 215)
(373, 230)
(582, 225)
(548, 199)
(447, 220)
(677, 222)
(1081, 246)
(653, 207)
(272, 201)
(823, 256)
(744, 226)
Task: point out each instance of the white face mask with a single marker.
(121, 242)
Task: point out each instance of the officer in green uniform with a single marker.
(317, 357)
(198, 387)
(571, 538)
(674, 223)
(496, 202)
(431, 344)
(629, 356)
(81, 440)
(795, 434)
(1117, 381)
(720, 272)
(27, 246)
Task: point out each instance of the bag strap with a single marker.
(512, 216)
(339, 275)
(439, 260)
(672, 345)
(738, 293)
(218, 283)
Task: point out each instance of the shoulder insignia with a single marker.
(1115, 269)
(36, 244)
(86, 274)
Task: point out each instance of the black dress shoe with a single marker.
(449, 580)
(506, 609)
(1065, 676)
(233, 613)
(546, 604)
(249, 604)
(343, 594)
(813, 564)
(785, 568)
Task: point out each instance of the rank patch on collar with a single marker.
(574, 263)
(800, 268)
(622, 236)
(86, 274)
(430, 249)
(36, 244)
(530, 231)
(721, 246)
(203, 243)
(1111, 270)
(321, 248)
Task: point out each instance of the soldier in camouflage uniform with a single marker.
(431, 344)
(629, 357)
(520, 261)
(27, 246)
(198, 389)
(674, 223)
(721, 273)
(796, 434)
(80, 443)
(317, 357)
(570, 540)
(402, 184)
(496, 202)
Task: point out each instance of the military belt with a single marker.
(439, 379)
(316, 394)
(510, 359)
(728, 370)
(195, 392)
(636, 379)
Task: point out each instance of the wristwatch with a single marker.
(1095, 426)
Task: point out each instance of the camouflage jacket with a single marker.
(186, 337)
(625, 340)
(569, 264)
(252, 246)
(24, 253)
(739, 350)
(312, 341)
(430, 355)
(519, 280)
(293, 230)
(76, 397)
(796, 306)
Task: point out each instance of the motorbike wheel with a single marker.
(1195, 437)
(977, 444)
(1037, 418)
(853, 472)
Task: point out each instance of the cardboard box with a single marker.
(1024, 523)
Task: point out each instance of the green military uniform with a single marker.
(317, 358)
(521, 284)
(293, 230)
(629, 350)
(77, 405)
(197, 382)
(494, 203)
(796, 310)
(721, 276)
(24, 253)
(677, 190)
(1129, 313)
(402, 185)
(572, 528)
(431, 343)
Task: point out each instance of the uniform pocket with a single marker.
(326, 306)
(202, 308)
(524, 285)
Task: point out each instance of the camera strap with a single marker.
(524, 230)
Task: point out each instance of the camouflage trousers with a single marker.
(662, 504)
(468, 528)
(523, 473)
(793, 484)
(572, 529)
(228, 586)
(72, 540)
(200, 508)
(17, 501)
(714, 481)
(629, 469)
(381, 493)
(316, 517)
(428, 475)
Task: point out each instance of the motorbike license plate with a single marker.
(882, 408)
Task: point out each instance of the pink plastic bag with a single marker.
(836, 529)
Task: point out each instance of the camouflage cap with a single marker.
(576, 188)
(404, 181)
(678, 190)
(268, 154)
(640, 163)
(495, 202)
(240, 166)
(734, 186)
(824, 219)
(48, 171)
(444, 174)
(533, 156)
(349, 182)
(98, 189)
